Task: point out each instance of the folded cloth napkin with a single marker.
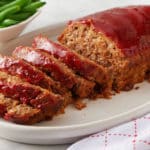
(134, 135)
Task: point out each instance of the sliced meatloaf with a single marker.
(81, 65)
(60, 72)
(6, 104)
(118, 39)
(12, 110)
(24, 114)
(13, 87)
(32, 75)
(26, 71)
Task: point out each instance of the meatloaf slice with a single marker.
(81, 65)
(80, 86)
(12, 110)
(13, 87)
(6, 104)
(31, 74)
(25, 71)
(118, 39)
(24, 114)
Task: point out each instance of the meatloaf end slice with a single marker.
(12, 110)
(15, 88)
(117, 39)
(24, 114)
(55, 68)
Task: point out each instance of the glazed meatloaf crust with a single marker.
(26, 71)
(47, 63)
(31, 74)
(13, 87)
(12, 110)
(118, 39)
(81, 65)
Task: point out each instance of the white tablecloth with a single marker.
(54, 12)
(134, 135)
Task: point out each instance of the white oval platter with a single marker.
(75, 124)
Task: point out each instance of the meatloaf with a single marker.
(59, 71)
(32, 75)
(6, 104)
(26, 71)
(117, 39)
(24, 114)
(13, 87)
(81, 65)
(12, 110)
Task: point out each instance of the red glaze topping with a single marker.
(24, 70)
(125, 26)
(30, 95)
(47, 63)
(59, 52)
(18, 91)
(78, 63)
(47, 102)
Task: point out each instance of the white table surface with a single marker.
(54, 12)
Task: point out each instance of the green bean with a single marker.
(4, 2)
(7, 0)
(20, 3)
(9, 11)
(8, 22)
(33, 6)
(2, 26)
(29, 2)
(15, 11)
(21, 16)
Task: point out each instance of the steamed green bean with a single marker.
(33, 6)
(8, 22)
(20, 3)
(21, 16)
(6, 12)
(15, 11)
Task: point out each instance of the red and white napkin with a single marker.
(134, 135)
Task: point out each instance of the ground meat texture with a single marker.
(118, 39)
(14, 87)
(24, 114)
(59, 71)
(12, 110)
(6, 104)
(81, 65)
